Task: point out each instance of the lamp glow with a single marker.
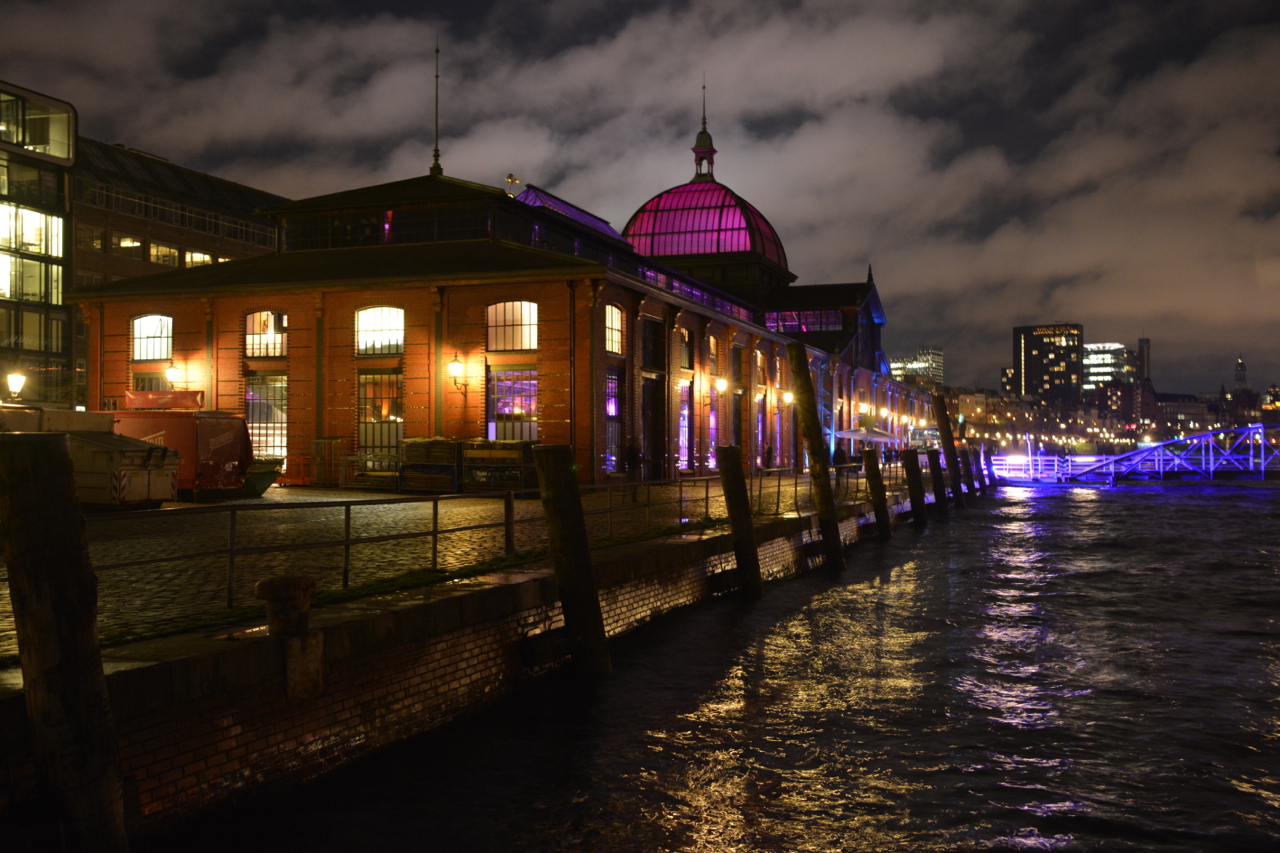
(721, 385)
(171, 373)
(455, 366)
(884, 413)
(788, 397)
(16, 381)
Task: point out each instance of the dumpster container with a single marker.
(214, 447)
(118, 471)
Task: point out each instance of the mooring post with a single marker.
(571, 556)
(939, 482)
(819, 462)
(948, 441)
(966, 468)
(915, 486)
(55, 607)
(991, 471)
(976, 455)
(879, 498)
(288, 599)
(738, 503)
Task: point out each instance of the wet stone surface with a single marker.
(147, 598)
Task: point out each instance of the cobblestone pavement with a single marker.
(135, 599)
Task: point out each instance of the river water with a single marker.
(1054, 669)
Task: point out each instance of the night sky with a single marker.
(999, 163)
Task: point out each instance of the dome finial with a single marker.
(703, 150)
(435, 152)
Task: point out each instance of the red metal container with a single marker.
(213, 447)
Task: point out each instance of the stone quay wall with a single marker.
(202, 718)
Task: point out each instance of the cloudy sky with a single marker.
(999, 162)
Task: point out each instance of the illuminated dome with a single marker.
(702, 217)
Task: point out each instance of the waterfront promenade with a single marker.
(137, 600)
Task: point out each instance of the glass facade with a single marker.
(702, 218)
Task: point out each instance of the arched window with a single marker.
(380, 331)
(265, 334)
(152, 338)
(513, 326)
(613, 329)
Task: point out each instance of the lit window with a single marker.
(198, 259)
(513, 326)
(39, 233)
(380, 331)
(126, 246)
(513, 405)
(8, 223)
(152, 338)
(163, 253)
(265, 334)
(613, 329)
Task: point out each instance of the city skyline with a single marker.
(1115, 166)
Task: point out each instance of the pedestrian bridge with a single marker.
(1242, 453)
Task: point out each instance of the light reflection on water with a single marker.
(1054, 670)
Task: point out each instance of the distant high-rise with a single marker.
(1144, 359)
(927, 363)
(1109, 364)
(1048, 361)
(1242, 375)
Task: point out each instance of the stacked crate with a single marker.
(430, 464)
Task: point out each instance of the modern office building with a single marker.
(1109, 364)
(926, 365)
(436, 307)
(1048, 361)
(37, 151)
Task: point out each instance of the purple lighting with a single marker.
(702, 217)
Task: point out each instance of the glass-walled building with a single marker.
(37, 150)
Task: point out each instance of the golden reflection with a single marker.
(752, 775)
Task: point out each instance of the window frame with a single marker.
(137, 342)
(391, 346)
(613, 331)
(501, 335)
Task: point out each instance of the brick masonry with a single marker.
(202, 718)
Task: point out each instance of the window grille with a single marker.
(266, 334)
(686, 427)
(380, 331)
(152, 338)
(513, 326)
(613, 329)
(381, 425)
(266, 413)
(613, 421)
(513, 405)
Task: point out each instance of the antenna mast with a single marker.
(435, 155)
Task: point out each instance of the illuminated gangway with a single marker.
(1243, 452)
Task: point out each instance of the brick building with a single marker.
(438, 307)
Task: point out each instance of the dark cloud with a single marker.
(999, 161)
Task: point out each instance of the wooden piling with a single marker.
(966, 468)
(571, 557)
(737, 501)
(976, 454)
(939, 482)
(819, 460)
(879, 498)
(991, 472)
(948, 441)
(55, 607)
(915, 486)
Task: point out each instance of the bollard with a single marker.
(819, 462)
(738, 503)
(948, 442)
(915, 486)
(571, 557)
(55, 601)
(288, 599)
(966, 468)
(939, 482)
(991, 472)
(879, 499)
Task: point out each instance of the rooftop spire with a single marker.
(435, 153)
(703, 150)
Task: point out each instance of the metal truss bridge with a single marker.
(1242, 453)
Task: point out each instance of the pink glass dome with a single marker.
(702, 217)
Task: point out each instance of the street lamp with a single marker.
(721, 385)
(455, 371)
(788, 397)
(171, 374)
(16, 381)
